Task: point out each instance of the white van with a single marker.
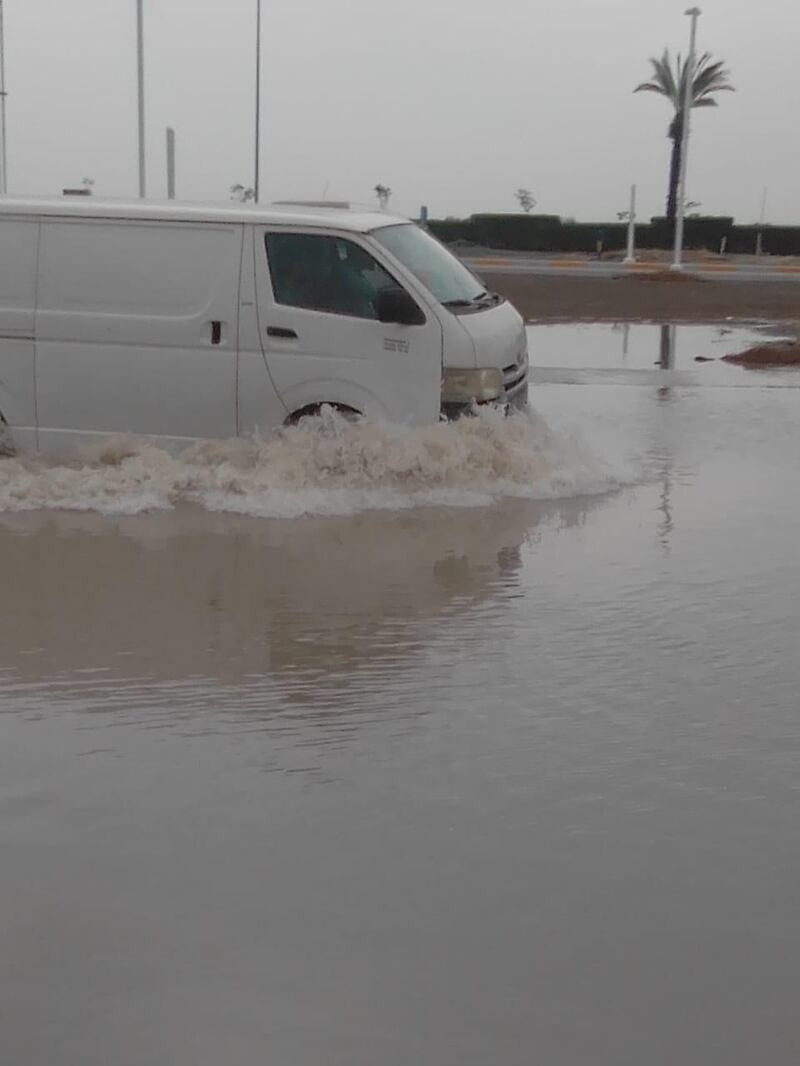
(187, 321)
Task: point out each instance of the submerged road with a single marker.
(467, 744)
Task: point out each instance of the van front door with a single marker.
(318, 299)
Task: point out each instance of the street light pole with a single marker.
(3, 175)
(256, 182)
(694, 14)
(761, 217)
(140, 73)
(630, 255)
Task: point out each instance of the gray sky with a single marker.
(453, 103)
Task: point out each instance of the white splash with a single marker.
(325, 465)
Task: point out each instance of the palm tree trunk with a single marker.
(674, 178)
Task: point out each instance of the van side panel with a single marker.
(18, 250)
(136, 328)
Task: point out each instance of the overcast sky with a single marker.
(453, 103)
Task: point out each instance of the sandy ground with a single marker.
(551, 298)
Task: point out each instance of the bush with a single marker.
(775, 240)
(528, 233)
(547, 233)
(583, 236)
(451, 230)
(701, 231)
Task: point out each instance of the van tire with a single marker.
(314, 410)
(7, 449)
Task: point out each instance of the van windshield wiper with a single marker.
(482, 298)
(487, 297)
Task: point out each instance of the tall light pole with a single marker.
(140, 72)
(630, 256)
(694, 14)
(3, 175)
(761, 217)
(257, 175)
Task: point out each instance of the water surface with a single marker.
(449, 747)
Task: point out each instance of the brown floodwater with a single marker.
(476, 744)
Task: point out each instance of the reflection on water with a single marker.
(666, 354)
(627, 353)
(296, 611)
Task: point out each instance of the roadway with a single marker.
(592, 268)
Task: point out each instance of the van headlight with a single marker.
(463, 386)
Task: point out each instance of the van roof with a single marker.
(174, 210)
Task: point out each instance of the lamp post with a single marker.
(257, 175)
(140, 81)
(3, 176)
(694, 14)
(761, 217)
(630, 253)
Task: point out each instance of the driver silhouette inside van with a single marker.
(324, 274)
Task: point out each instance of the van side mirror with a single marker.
(395, 305)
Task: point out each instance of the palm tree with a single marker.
(669, 81)
(383, 192)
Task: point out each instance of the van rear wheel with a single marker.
(7, 448)
(314, 410)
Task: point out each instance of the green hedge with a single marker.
(775, 240)
(516, 232)
(703, 231)
(548, 233)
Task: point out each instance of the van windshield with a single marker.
(438, 270)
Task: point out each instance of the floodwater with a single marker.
(477, 744)
(629, 353)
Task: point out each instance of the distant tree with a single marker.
(670, 81)
(241, 194)
(526, 199)
(383, 192)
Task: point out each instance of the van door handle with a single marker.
(280, 331)
(216, 331)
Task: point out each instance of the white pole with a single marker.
(693, 13)
(257, 181)
(630, 256)
(170, 163)
(140, 72)
(3, 163)
(760, 236)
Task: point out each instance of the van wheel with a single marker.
(7, 449)
(314, 410)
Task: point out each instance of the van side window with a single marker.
(329, 274)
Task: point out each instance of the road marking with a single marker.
(489, 261)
